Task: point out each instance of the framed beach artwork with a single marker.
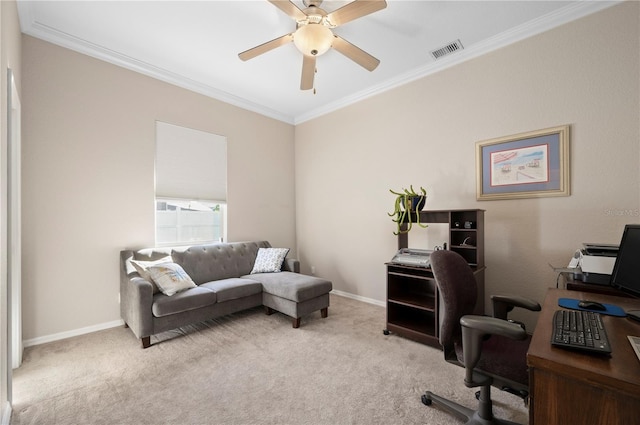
(526, 165)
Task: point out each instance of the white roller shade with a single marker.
(190, 164)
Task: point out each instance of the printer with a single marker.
(597, 261)
(412, 257)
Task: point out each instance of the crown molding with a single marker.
(537, 26)
(562, 16)
(38, 30)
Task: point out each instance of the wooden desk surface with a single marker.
(579, 285)
(557, 372)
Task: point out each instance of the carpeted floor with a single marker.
(247, 368)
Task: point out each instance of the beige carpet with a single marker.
(247, 368)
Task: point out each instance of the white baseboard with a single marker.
(68, 334)
(359, 298)
(102, 326)
(6, 414)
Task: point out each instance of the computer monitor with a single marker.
(626, 270)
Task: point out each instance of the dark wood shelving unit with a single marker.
(412, 293)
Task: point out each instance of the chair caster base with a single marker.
(470, 416)
(426, 400)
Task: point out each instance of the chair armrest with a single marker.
(503, 304)
(474, 329)
(483, 325)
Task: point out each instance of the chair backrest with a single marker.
(458, 290)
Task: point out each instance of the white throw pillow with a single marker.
(170, 278)
(269, 260)
(142, 266)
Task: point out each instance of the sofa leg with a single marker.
(324, 312)
(268, 310)
(146, 341)
(296, 322)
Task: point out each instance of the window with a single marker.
(183, 220)
(191, 182)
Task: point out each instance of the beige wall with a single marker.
(88, 135)
(88, 179)
(585, 74)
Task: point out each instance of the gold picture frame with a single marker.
(526, 165)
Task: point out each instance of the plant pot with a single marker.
(414, 203)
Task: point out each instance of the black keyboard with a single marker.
(580, 330)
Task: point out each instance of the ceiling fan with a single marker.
(314, 36)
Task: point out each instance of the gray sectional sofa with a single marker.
(224, 284)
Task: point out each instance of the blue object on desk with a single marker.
(611, 310)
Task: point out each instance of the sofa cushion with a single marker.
(170, 278)
(269, 260)
(233, 288)
(190, 299)
(292, 286)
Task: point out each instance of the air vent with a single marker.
(447, 50)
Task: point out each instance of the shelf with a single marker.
(409, 317)
(419, 301)
(412, 276)
(412, 293)
(418, 336)
(423, 328)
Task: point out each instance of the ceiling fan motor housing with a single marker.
(312, 3)
(315, 15)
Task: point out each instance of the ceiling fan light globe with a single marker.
(313, 39)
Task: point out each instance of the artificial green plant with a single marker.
(404, 205)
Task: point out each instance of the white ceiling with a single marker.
(195, 44)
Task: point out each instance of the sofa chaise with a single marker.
(217, 279)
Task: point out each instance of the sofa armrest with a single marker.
(136, 306)
(292, 265)
(136, 299)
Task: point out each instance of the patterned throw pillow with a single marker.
(142, 266)
(269, 260)
(170, 278)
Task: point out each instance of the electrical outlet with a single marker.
(313, 270)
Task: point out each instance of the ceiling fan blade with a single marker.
(354, 10)
(308, 72)
(265, 47)
(290, 9)
(355, 53)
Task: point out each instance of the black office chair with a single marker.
(491, 349)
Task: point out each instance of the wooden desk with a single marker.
(569, 387)
(578, 285)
